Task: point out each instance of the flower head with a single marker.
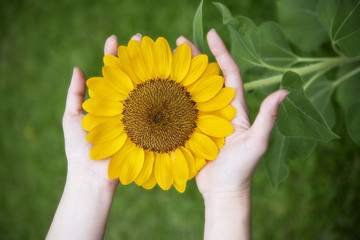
(159, 116)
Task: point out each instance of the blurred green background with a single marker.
(41, 41)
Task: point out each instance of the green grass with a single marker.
(41, 41)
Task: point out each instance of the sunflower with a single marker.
(160, 116)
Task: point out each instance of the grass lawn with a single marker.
(40, 43)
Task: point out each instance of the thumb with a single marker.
(266, 118)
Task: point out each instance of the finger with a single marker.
(111, 46)
(266, 118)
(76, 93)
(137, 37)
(194, 50)
(230, 70)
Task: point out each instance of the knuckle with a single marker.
(273, 116)
(269, 113)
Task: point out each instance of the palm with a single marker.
(76, 147)
(236, 162)
(77, 151)
(233, 166)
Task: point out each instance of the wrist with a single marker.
(241, 191)
(225, 199)
(90, 183)
(228, 215)
(90, 175)
(86, 203)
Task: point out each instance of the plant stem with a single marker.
(335, 47)
(262, 82)
(314, 77)
(301, 71)
(274, 67)
(346, 76)
(324, 59)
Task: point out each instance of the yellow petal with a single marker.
(223, 98)
(100, 89)
(90, 121)
(163, 58)
(227, 112)
(92, 94)
(179, 166)
(211, 69)
(147, 47)
(137, 60)
(180, 187)
(102, 107)
(190, 161)
(206, 88)
(220, 142)
(117, 80)
(197, 68)
(199, 163)
(133, 160)
(126, 65)
(105, 132)
(114, 167)
(162, 168)
(181, 62)
(147, 169)
(111, 61)
(151, 182)
(107, 149)
(202, 146)
(126, 163)
(214, 126)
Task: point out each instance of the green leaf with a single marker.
(225, 13)
(282, 149)
(244, 38)
(298, 117)
(198, 30)
(326, 11)
(265, 47)
(353, 122)
(300, 22)
(320, 93)
(245, 42)
(274, 47)
(299, 148)
(347, 92)
(342, 18)
(274, 159)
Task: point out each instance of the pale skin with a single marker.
(225, 183)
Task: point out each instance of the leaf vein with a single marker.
(345, 20)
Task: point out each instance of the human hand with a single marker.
(82, 169)
(233, 169)
(88, 192)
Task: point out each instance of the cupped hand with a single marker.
(233, 169)
(81, 168)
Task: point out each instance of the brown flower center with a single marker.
(159, 115)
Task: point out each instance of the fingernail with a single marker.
(180, 40)
(113, 36)
(213, 29)
(73, 73)
(139, 34)
(283, 96)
